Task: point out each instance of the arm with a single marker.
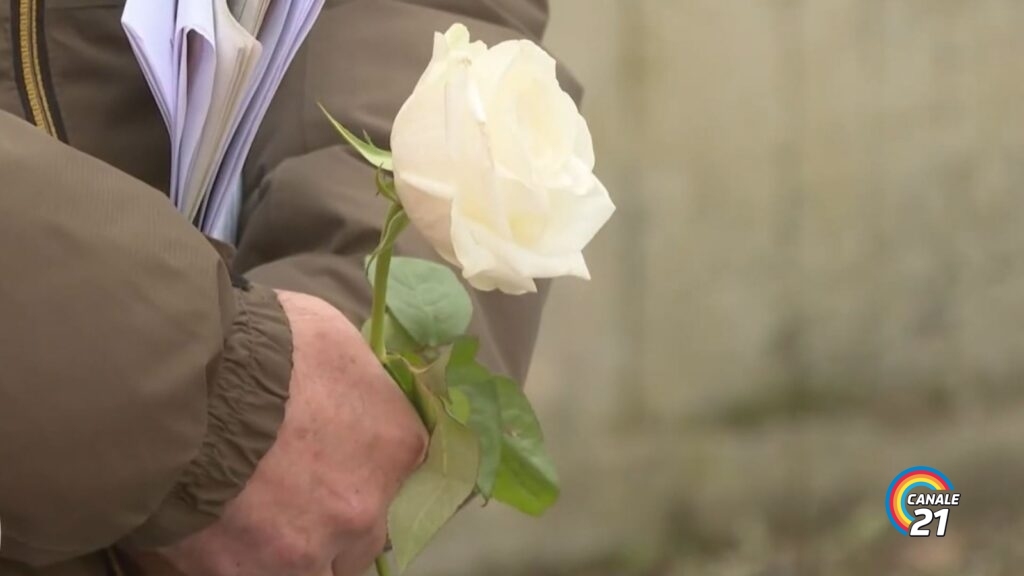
(311, 215)
(139, 387)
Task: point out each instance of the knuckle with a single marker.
(296, 556)
(402, 438)
(361, 512)
(406, 439)
(412, 447)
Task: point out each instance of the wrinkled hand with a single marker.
(319, 497)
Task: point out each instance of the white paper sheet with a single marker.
(284, 31)
(213, 68)
(150, 27)
(195, 48)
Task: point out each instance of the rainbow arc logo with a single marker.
(919, 486)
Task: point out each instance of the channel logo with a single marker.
(909, 494)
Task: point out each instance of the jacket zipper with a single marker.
(32, 75)
(31, 67)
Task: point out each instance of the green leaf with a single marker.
(426, 403)
(429, 390)
(485, 419)
(396, 338)
(401, 372)
(526, 477)
(463, 355)
(427, 299)
(386, 186)
(459, 408)
(514, 466)
(377, 157)
(431, 496)
(432, 376)
(474, 402)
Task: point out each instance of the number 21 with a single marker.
(926, 517)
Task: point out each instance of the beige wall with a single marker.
(816, 272)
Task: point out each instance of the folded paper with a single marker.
(213, 68)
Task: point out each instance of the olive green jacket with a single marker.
(143, 372)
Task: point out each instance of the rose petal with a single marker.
(484, 253)
(576, 218)
(480, 267)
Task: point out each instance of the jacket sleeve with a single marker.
(311, 214)
(138, 385)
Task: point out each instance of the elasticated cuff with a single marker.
(245, 410)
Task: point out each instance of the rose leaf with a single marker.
(431, 496)
(396, 338)
(427, 300)
(474, 402)
(526, 477)
(378, 157)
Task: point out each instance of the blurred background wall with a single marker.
(815, 280)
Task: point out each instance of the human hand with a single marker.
(319, 497)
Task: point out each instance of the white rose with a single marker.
(494, 164)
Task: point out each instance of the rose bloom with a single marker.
(494, 164)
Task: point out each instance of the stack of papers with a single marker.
(213, 67)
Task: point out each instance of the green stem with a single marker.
(383, 568)
(380, 293)
(393, 226)
(378, 311)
